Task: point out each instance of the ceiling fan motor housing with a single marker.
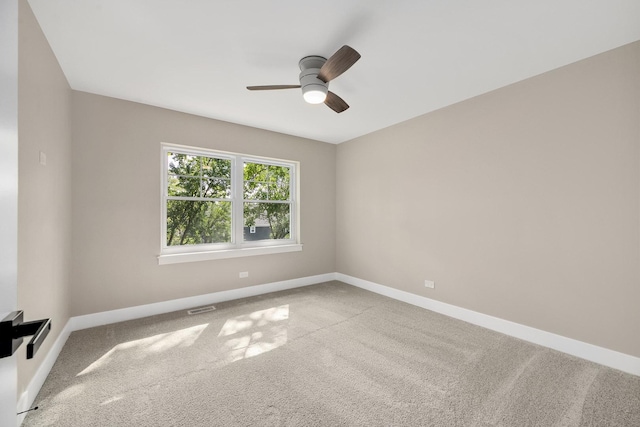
(314, 90)
(315, 74)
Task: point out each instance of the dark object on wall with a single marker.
(13, 329)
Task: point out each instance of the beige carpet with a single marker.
(323, 355)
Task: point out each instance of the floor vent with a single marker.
(201, 310)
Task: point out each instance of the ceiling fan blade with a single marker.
(339, 62)
(336, 103)
(273, 87)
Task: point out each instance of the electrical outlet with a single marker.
(43, 158)
(430, 284)
(244, 274)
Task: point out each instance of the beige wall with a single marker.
(116, 207)
(522, 203)
(44, 192)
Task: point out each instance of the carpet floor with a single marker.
(323, 355)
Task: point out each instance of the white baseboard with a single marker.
(593, 353)
(129, 313)
(27, 398)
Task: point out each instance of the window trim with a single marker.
(237, 247)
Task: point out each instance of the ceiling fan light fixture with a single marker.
(314, 94)
(314, 90)
(315, 74)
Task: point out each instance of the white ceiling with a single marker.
(198, 56)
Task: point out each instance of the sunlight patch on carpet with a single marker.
(255, 333)
(144, 347)
(255, 319)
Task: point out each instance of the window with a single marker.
(220, 205)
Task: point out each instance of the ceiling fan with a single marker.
(315, 74)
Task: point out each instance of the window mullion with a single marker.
(237, 185)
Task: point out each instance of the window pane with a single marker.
(195, 222)
(278, 174)
(216, 168)
(266, 182)
(278, 192)
(264, 221)
(185, 186)
(216, 188)
(183, 164)
(255, 190)
(255, 172)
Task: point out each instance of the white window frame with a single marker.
(237, 247)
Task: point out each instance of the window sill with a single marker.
(224, 254)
